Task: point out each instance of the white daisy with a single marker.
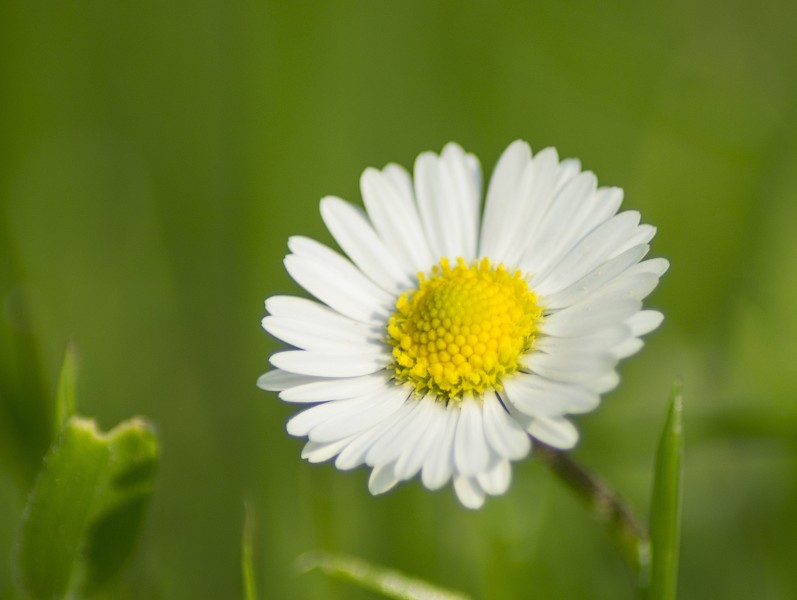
(446, 337)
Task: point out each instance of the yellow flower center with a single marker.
(463, 329)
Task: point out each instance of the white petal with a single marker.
(390, 201)
(539, 397)
(413, 435)
(644, 322)
(505, 436)
(337, 283)
(496, 480)
(556, 231)
(437, 469)
(641, 235)
(448, 199)
(605, 383)
(471, 452)
(554, 431)
(412, 459)
(591, 212)
(311, 336)
(568, 168)
(469, 492)
(335, 389)
(400, 435)
(300, 424)
(501, 205)
(627, 348)
(355, 417)
(631, 284)
(315, 452)
(587, 317)
(354, 454)
(401, 180)
(352, 231)
(615, 302)
(656, 266)
(609, 200)
(382, 480)
(322, 364)
(278, 380)
(534, 196)
(594, 280)
(570, 368)
(310, 311)
(599, 341)
(462, 175)
(588, 254)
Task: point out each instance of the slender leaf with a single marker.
(65, 397)
(247, 553)
(388, 582)
(86, 506)
(665, 516)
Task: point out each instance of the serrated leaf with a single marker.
(388, 582)
(112, 535)
(665, 514)
(86, 507)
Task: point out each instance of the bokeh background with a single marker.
(155, 156)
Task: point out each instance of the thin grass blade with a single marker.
(387, 582)
(247, 553)
(665, 516)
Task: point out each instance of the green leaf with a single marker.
(665, 515)
(65, 398)
(388, 582)
(115, 528)
(86, 506)
(59, 509)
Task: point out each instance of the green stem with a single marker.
(606, 505)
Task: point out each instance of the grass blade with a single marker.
(665, 515)
(247, 553)
(387, 582)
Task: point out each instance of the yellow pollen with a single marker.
(463, 329)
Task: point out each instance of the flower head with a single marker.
(446, 338)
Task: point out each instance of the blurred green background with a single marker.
(155, 156)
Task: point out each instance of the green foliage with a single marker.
(665, 514)
(86, 507)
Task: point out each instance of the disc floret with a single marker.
(463, 329)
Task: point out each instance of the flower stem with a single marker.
(606, 505)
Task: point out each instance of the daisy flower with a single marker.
(445, 337)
